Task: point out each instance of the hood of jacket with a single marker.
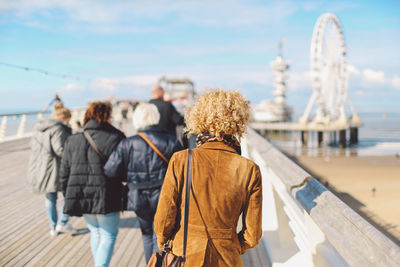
(154, 128)
(93, 125)
(46, 123)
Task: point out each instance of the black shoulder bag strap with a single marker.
(93, 144)
(187, 200)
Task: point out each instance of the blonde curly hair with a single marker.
(219, 113)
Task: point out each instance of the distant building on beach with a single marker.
(275, 110)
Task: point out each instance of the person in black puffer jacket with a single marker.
(86, 189)
(144, 169)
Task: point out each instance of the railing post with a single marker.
(21, 127)
(3, 128)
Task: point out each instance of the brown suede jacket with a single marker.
(224, 185)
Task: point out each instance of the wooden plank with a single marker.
(137, 254)
(21, 223)
(122, 253)
(126, 236)
(42, 250)
(32, 249)
(20, 245)
(55, 251)
(24, 227)
(77, 249)
(71, 242)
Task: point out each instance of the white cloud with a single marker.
(139, 80)
(352, 70)
(299, 81)
(360, 92)
(396, 82)
(372, 78)
(104, 84)
(71, 87)
(311, 5)
(114, 85)
(127, 15)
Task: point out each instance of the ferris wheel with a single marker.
(328, 71)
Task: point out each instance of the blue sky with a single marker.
(121, 48)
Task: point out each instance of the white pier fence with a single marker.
(304, 224)
(15, 126)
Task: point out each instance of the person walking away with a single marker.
(87, 190)
(56, 101)
(169, 116)
(47, 145)
(144, 169)
(225, 185)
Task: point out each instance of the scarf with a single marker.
(230, 140)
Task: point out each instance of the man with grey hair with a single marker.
(169, 116)
(136, 161)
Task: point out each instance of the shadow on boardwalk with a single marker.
(24, 230)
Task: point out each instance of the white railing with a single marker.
(15, 126)
(304, 224)
(21, 125)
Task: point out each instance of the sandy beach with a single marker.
(370, 185)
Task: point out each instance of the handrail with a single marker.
(20, 126)
(305, 224)
(24, 113)
(20, 131)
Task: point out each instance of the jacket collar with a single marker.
(219, 145)
(93, 125)
(154, 128)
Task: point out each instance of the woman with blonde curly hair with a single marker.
(224, 186)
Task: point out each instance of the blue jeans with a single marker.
(149, 238)
(145, 214)
(51, 210)
(103, 233)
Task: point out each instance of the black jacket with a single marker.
(169, 117)
(138, 163)
(86, 189)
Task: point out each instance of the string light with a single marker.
(45, 72)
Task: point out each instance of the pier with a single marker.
(24, 229)
(342, 134)
(304, 224)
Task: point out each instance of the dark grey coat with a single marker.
(47, 145)
(85, 187)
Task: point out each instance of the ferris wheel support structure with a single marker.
(328, 73)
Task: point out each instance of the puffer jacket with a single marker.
(136, 162)
(86, 189)
(47, 145)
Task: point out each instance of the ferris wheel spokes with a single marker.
(328, 72)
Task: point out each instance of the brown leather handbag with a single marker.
(165, 257)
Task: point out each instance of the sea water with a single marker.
(379, 135)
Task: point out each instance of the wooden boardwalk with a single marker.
(24, 229)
